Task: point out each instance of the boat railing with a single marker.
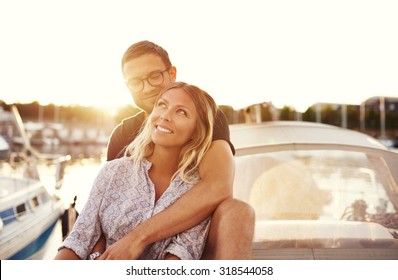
(30, 165)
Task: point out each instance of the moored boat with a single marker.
(28, 210)
(28, 215)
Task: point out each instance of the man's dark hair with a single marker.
(146, 47)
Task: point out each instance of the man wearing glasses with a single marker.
(147, 69)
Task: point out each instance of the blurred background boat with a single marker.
(29, 210)
(4, 148)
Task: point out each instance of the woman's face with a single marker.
(174, 119)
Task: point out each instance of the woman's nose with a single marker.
(165, 116)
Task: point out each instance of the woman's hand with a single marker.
(100, 246)
(127, 248)
(171, 257)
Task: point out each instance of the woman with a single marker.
(161, 166)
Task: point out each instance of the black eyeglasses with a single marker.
(154, 79)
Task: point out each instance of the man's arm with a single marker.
(217, 172)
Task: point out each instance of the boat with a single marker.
(29, 210)
(318, 191)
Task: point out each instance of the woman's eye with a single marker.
(161, 104)
(182, 112)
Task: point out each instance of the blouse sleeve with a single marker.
(189, 244)
(87, 229)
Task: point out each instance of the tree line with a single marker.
(34, 111)
(329, 114)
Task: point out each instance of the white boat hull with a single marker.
(24, 233)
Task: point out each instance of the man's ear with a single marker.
(173, 73)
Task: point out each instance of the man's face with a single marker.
(145, 77)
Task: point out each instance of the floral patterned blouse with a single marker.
(122, 197)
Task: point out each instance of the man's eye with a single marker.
(155, 75)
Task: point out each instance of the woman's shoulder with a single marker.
(118, 163)
(126, 162)
(120, 169)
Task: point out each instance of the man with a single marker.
(147, 69)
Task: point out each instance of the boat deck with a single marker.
(323, 254)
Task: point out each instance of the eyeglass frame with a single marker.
(147, 80)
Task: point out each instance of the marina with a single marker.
(32, 199)
(33, 205)
(78, 178)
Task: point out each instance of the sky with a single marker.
(288, 52)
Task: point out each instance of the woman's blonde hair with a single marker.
(194, 150)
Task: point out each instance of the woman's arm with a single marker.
(66, 254)
(216, 172)
(87, 229)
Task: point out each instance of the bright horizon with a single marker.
(293, 53)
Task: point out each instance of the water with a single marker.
(78, 180)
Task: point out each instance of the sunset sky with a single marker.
(242, 52)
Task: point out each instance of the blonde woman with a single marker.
(159, 166)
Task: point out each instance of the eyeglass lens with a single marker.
(154, 79)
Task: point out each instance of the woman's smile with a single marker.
(163, 129)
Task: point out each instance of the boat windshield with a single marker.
(329, 185)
